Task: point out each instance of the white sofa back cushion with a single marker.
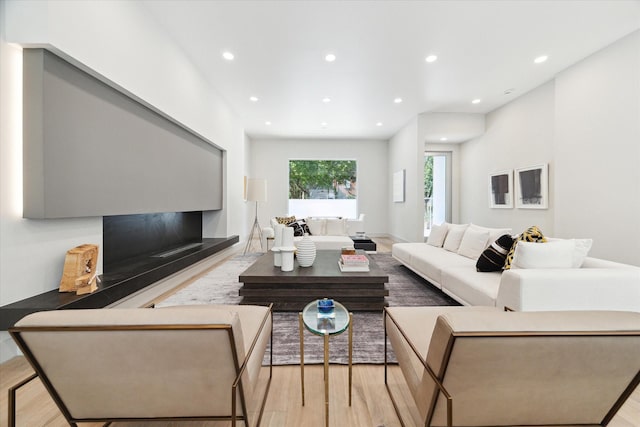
(557, 254)
(316, 226)
(474, 241)
(580, 252)
(454, 237)
(438, 234)
(336, 227)
(494, 233)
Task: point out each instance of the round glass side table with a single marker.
(325, 325)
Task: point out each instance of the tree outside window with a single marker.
(311, 181)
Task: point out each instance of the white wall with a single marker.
(270, 160)
(586, 125)
(118, 40)
(406, 219)
(519, 134)
(597, 151)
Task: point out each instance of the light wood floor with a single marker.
(371, 405)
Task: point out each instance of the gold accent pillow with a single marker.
(286, 220)
(531, 234)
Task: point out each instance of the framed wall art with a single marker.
(501, 190)
(532, 187)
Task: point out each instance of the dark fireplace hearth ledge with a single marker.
(120, 283)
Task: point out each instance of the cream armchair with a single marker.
(184, 362)
(479, 366)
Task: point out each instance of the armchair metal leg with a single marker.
(12, 399)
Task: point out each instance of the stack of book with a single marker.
(353, 263)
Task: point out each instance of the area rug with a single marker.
(221, 286)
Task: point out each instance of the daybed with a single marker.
(326, 233)
(595, 285)
(480, 366)
(187, 362)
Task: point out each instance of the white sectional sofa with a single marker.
(596, 285)
(326, 233)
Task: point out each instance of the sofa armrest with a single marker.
(570, 289)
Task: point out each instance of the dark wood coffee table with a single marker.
(291, 291)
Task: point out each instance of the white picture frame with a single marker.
(398, 186)
(532, 187)
(501, 190)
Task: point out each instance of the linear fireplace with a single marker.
(128, 237)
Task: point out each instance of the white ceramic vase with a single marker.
(306, 251)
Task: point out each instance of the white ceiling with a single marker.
(483, 48)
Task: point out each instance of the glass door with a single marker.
(437, 189)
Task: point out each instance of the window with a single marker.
(437, 189)
(323, 188)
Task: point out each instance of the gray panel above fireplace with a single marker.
(92, 150)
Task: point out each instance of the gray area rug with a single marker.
(220, 286)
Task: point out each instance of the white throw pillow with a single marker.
(438, 234)
(555, 254)
(454, 237)
(494, 233)
(474, 242)
(316, 226)
(582, 248)
(336, 227)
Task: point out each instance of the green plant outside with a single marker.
(322, 179)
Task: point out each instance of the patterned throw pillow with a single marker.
(299, 227)
(286, 220)
(531, 234)
(493, 258)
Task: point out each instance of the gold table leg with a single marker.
(350, 353)
(326, 378)
(301, 325)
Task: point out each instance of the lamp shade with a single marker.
(256, 190)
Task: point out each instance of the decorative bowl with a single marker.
(325, 306)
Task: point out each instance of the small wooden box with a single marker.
(79, 273)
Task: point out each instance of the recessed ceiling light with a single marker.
(540, 59)
(431, 58)
(228, 56)
(330, 57)
(253, 99)
(268, 123)
(379, 124)
(323, 124)
(326, 100)
(397, 100)
(476, 101)
(444, 138)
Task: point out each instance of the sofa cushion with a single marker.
(494, 233)
(531, 234)
(316, 226)
(558, 254)
(438, 234)
(471, 287)
(431, 261)
(580, 252)
(454, 237)
(402, 251)
(473, 242)
(493, 258)
(336, 227)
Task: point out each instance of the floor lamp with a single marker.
(256, 192)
